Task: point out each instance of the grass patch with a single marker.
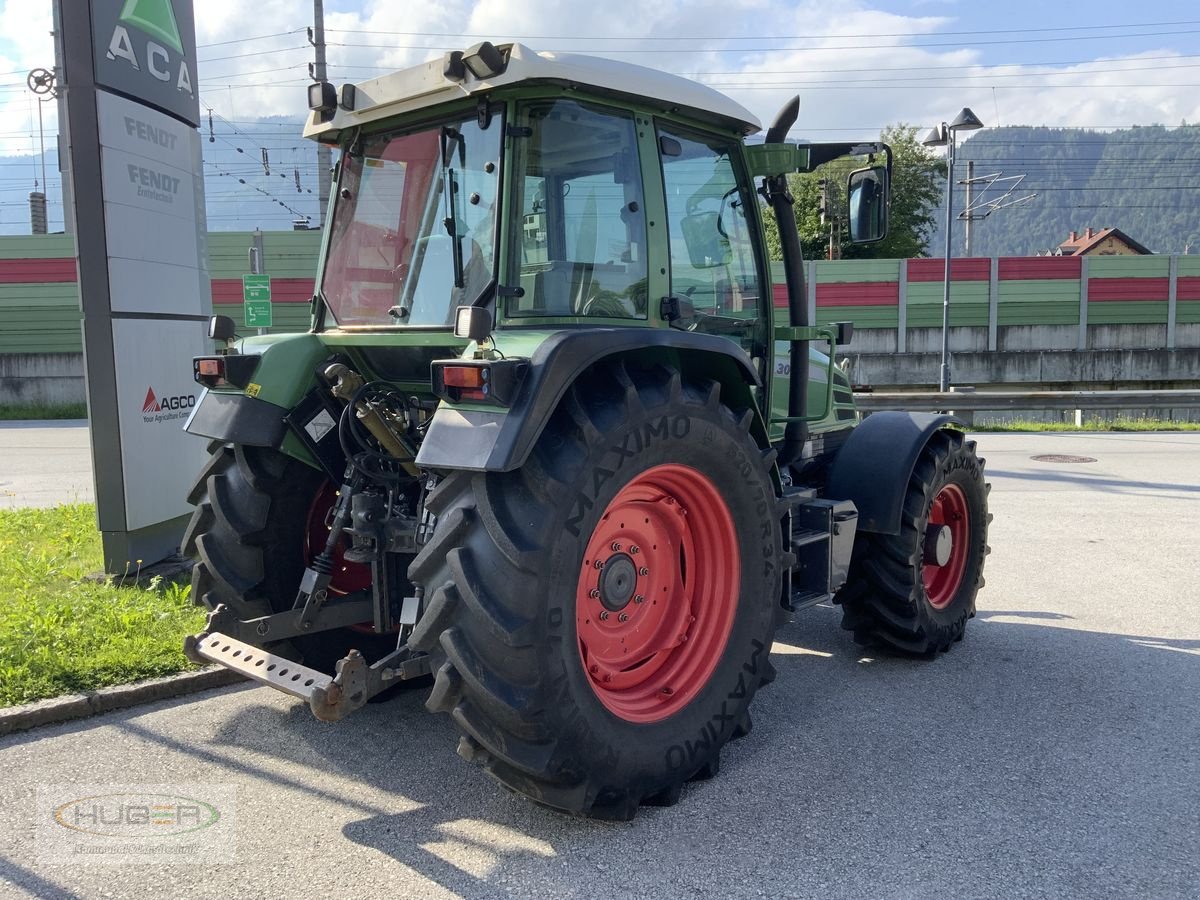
(60, 633)
(42, 411)
(1118, 424)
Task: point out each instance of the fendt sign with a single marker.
(136, 170)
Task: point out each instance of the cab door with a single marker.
(715, 266)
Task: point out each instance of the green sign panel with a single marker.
(258, 313)
(256, 287)
(256, 301)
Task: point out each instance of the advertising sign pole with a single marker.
(129, 82)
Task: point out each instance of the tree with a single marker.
(918, 182)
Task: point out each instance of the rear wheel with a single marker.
(600, 619)
(913, 592)
(260, 518)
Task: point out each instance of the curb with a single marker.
(122, 696)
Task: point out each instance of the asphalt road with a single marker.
(1054, 753)
(45, 463)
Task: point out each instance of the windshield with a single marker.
(401, 252)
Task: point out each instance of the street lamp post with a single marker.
(944, 135)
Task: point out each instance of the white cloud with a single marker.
(900, 80)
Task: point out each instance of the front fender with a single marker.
(875, 463)
(479, 439)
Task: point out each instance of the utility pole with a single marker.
(64, 139)
(967, 206)
(324, 155)
(256, 259)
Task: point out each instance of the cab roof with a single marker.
(428, 85)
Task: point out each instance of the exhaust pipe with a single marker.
(795, 433)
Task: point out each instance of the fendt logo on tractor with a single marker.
(574, 491)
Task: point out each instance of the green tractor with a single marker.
(554, 442)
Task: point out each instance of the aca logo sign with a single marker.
(156, 19)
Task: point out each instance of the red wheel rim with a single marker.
(949, 509)
(348, 577)
(657, 593)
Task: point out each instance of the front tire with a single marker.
(913, 592)
(566, 686)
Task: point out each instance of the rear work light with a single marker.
(492, 381)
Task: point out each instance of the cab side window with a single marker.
(583, 229)
(712, 253)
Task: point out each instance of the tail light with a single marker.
(229, 370)
(492, 381)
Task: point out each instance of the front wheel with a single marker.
(601, 618)
(913, 592)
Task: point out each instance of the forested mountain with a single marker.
(1143, 180)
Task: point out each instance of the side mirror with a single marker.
(707, 247)
(867, 193)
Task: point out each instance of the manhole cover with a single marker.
(1063, 458)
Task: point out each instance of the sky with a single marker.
(858, 65)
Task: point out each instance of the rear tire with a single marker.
(248, 536)
(511, 615)
(896, 595)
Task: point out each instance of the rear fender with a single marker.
(875, 463)
(255, 416)
(483, 440)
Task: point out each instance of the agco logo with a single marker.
(136, 815)
(155, 408)
(155, 18)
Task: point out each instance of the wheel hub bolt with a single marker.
(622, 618)
(603, 615)
(616, 545)
(597, 565)
(594, 593)
(639, 599)
(643, 571)
(635, 549)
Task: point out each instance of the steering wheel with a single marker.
(609, 299)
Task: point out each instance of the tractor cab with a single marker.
(546, 188)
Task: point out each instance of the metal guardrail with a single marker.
(972, 401)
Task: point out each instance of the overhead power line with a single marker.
(820, 49)
(758, 37)
(257, 37)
